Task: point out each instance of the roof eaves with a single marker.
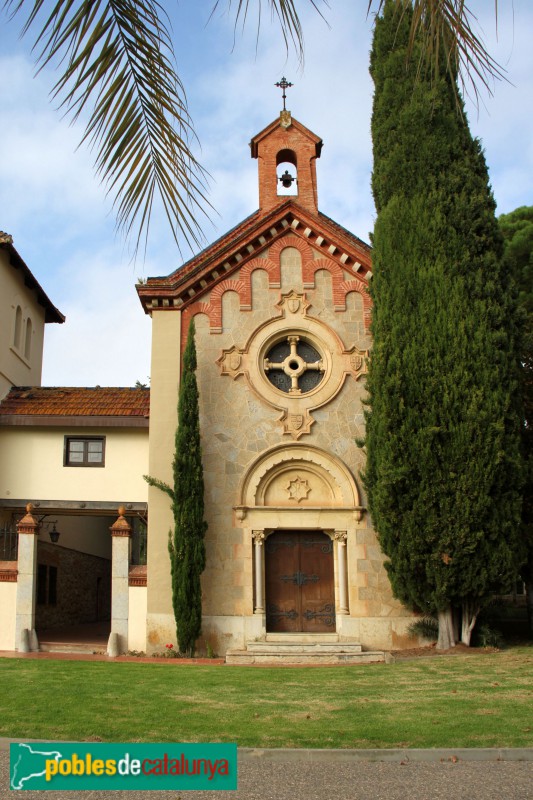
(52, 314)
(73, 421)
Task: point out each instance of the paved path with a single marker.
(315, 775)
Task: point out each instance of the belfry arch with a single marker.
(287, 173)
(298, 489)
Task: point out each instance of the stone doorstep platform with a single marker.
(88, 638)
(292, 649)
(87, 648)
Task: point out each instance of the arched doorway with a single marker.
(299, 582)
(300, 507)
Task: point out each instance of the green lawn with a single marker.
(477, 700)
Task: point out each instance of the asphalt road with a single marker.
(307, 777)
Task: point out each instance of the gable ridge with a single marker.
(217, 263)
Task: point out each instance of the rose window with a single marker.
(294, 366)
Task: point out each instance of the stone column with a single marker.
(259, 538)
(120, 563)
(340, 538)
(27, 529)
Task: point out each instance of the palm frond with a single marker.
(449, 24)
(284, 11)
(117, 65)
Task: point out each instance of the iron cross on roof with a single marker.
(283, 84)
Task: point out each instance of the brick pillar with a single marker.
(27, 529)
(120, 555)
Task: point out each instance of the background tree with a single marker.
(117, 66)
(517, 229)
(443, 472)
(186, 544)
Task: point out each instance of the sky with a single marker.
(62, 223)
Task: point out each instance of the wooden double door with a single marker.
(299, 582)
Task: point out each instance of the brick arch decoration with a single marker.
(272, 265)
(291, 241)
(215, 301)
(188, 314)
(272, 268)
(341, 288)
(355, 285)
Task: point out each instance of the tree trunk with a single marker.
(470, 612)
(446, 636)
(457, 619)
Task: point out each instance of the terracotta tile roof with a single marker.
(69, 401)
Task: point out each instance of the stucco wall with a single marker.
(15, 368)
(32, 466)
(138, 605)
(8, 606)
(165, 375)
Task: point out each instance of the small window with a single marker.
(18, 328)
(27, 341)
(87, 452)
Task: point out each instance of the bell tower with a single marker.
(286, 152)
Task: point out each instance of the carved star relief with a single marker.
(298, 489)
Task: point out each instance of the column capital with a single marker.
(28, 523)
(258, 537)
(121, 526)
(340, 537)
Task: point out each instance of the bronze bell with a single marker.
(287, 179)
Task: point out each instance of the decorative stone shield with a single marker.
(296, 421)
(293, 304)
(356, 361)
(235, 360)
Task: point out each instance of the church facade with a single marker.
(282, 313)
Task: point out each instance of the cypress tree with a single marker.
(186, 547)
(517, 229)
(443, 467)
(186, 544)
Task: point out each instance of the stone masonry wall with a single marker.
(83, 587)
(237, 426)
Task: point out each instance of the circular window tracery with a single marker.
(293, 365)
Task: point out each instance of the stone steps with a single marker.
(295, 651)
(292, 648)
